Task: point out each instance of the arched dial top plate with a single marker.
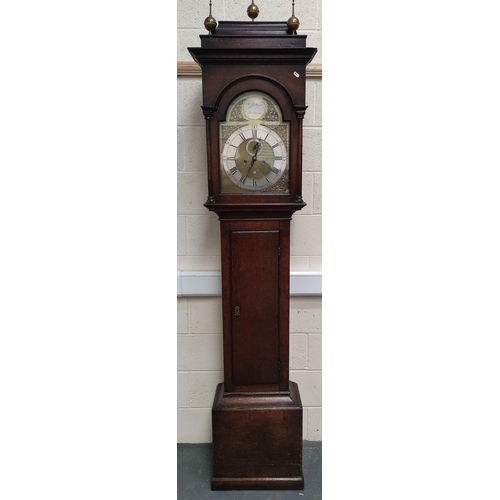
(254, 145)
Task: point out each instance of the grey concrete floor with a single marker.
(194, 471)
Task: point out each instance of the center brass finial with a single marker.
(252, 11)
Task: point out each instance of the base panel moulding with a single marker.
(257, 440)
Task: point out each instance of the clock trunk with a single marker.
(255, 289)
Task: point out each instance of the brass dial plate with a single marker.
(254, 144)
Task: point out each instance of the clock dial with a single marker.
(254, 157)
(254, 146)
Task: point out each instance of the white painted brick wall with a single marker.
(199, 324)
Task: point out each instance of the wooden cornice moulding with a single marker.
(190, 68)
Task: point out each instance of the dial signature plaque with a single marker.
(254, 108)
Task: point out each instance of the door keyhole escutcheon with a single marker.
(237, 311)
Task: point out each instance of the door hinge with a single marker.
(279, 365)
(279, 250)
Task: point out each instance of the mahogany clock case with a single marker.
(257, 411)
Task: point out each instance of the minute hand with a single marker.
(244, 177)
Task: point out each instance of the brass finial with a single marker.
(252, 11)
(210, 22)
(293, 23)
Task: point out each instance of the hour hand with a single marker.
(257, 148)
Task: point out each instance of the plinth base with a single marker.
(258, 483)
(257, 440)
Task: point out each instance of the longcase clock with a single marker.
(254, 81)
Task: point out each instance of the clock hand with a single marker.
(254, 158)
(248, 171)
(256, 148)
